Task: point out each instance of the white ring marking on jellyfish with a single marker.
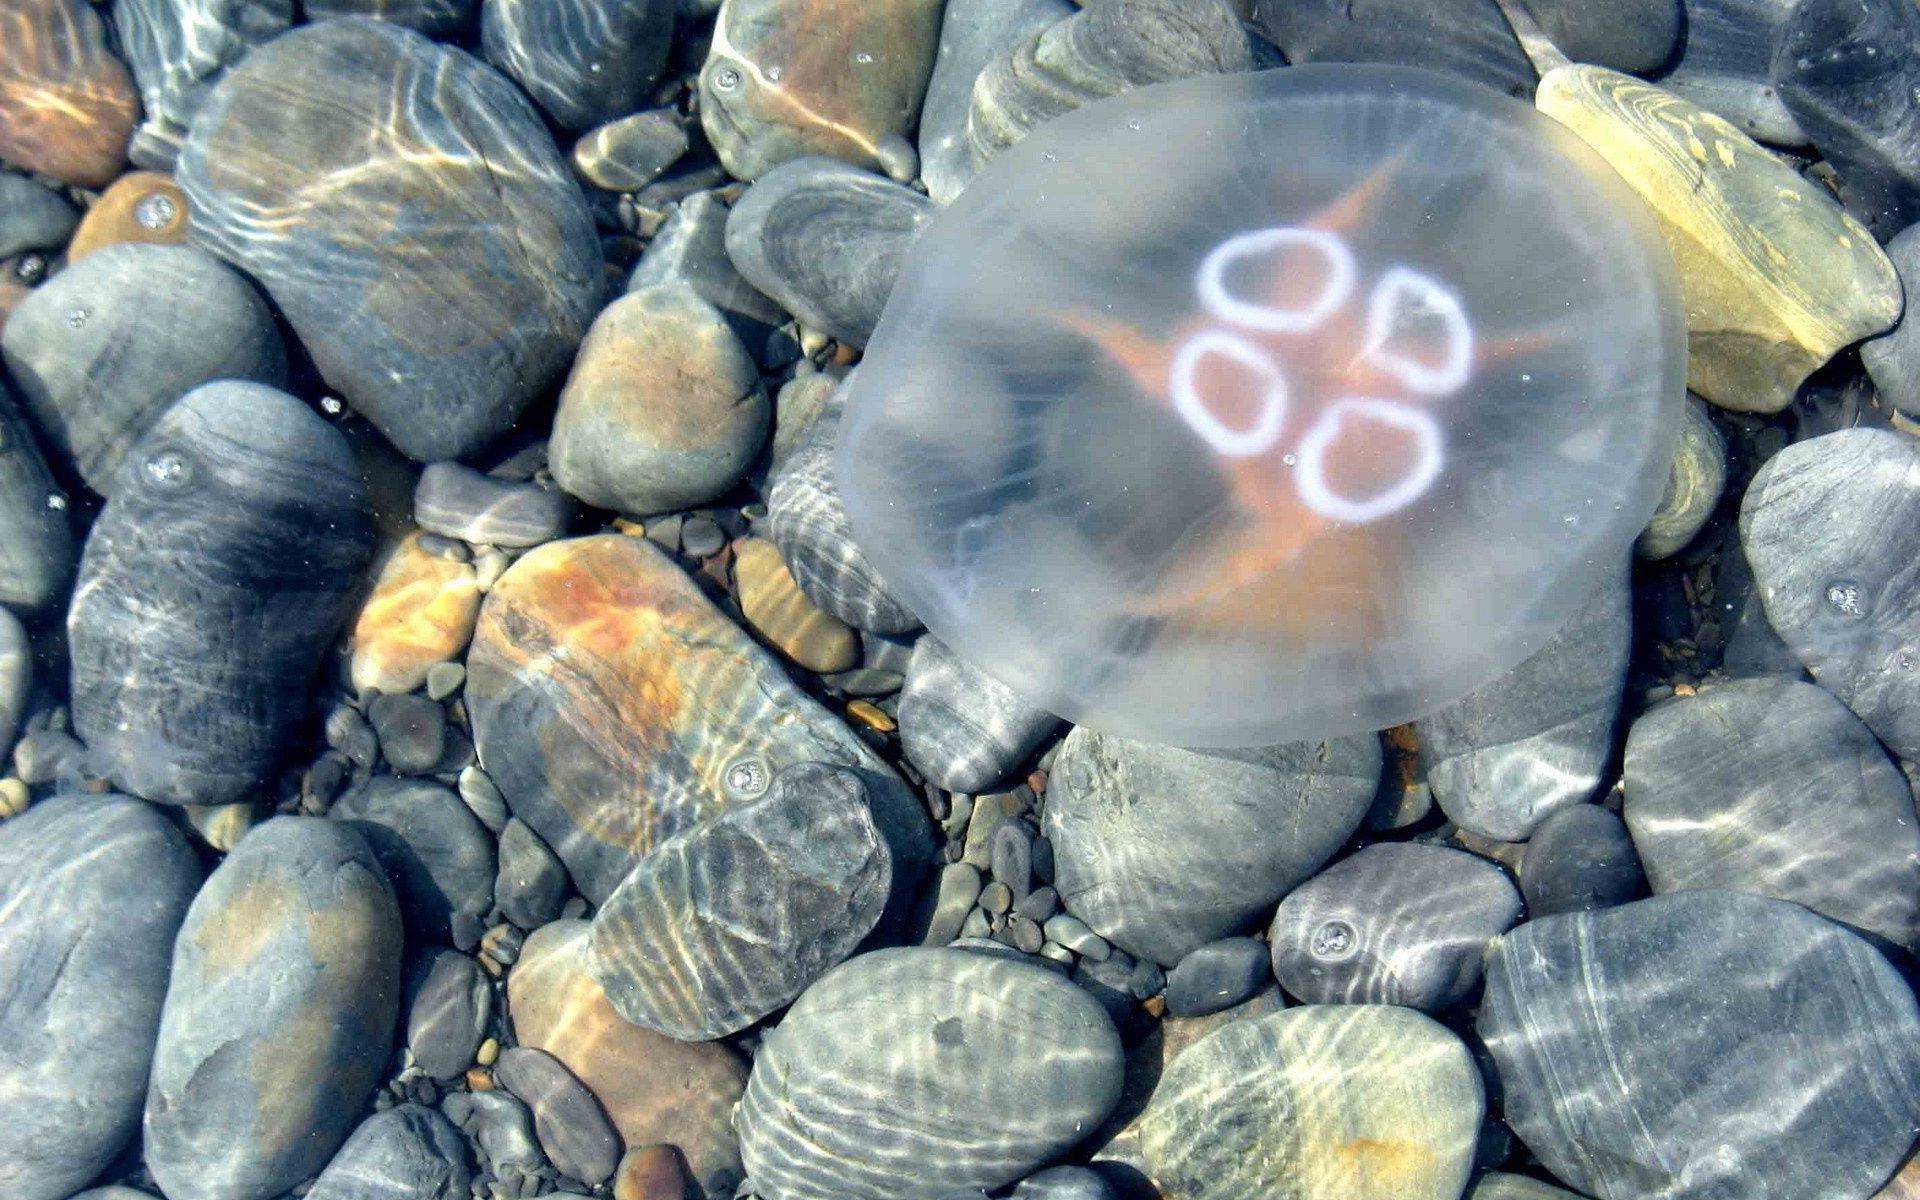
(1401, 289)
(1211, 282)
(1192, 406)
(1311, 477)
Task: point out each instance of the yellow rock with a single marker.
(781, 613)
(420, 613)
(142, 207)
(1776, 277)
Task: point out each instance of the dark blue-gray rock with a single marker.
(1635, 36)
(1725, 65)
(1772, 787)
(412, 730)
(1218, 975)
(92, 889)
(691, 249)
(583, 61)
(964, 729)
(502, 1127)
(1704, 1046)
(211, 584)
(36, 542)
(442, 20)
(1468, 38)
(405, 1153)
(531, 887)
(925, 1072)
(436, 853)
(1694, 485)
(628, 154)
(459, 502)
(280, 1014)
(826, 240)
(180, 49)
(972, 34)
(572, 1127)
(406, 210)
(808, 521)
(1828, 526)
(1846, 70)
(1538, 739)
(16, 677)
(733, 919)
(99, 351)
(33, 217)
(1893, 358)
(1161, 850)
(1063, 1183)
(448, 1007)
(1579, 860)
(1394, 923)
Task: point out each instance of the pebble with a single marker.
(449, 1007)
(1825, 526)
(582, 61)
(781, 613)
(1581, 859)
(1694, 486)
(1498, 1186)
(443, 20)
(219, 570)
(654, 1089)
(825, 241)
(799, 404)
(1218, 976)
(1893, 359)
(996, 899)
(502, 1126)
(574, 1132)
(964, 729)
(664, 408)
(790, 78)
(1704, 1044)
(628, 154)
(942, 1014)
(1343, 1101)
(405, 1153)
(651, 1173)
(34, 218)
(287, 968)
(1776, 277)
(412, 731)
(67, 105)
(141, 208)
(444, 679)
(1771, 786)
(972, 34)
(419, 615)
(437, 260)
(459, 502)
(1539, 738)
(1124, 821)
(36, 542)
(1070, 931)
(479, 793)
(1063, 1183)
(1627, 35)
(438, 856)
(93, 888)
(1010, 856)
(532, 884)
(701, 538)
(958, 890)
(691, 250)
(16, 678)
(1468, 38)
(733, 919)
(1725, 65)
(615, 707)
(102, 349)
(180, 49)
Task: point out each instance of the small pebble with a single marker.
(412, 731)
(1217, 976)
(572, 1128)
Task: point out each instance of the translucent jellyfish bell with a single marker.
(1267, 407)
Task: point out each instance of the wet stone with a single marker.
(93, 889)
(16, 677)
(1498, 1186)
(628, 154)
(288, 966)
(460, 502)
(1011, 857)
(36, 543)
(1725, 65)
(780, 612)
(67, 105)
(965, 729)
(501, 1125)
(437, 260)
(1627, 35)
(582, 61)
(211, 583)
(443, 20)
(1063, 1183)
(1470, 39)
(33, 217)
(691, 249)
(1580, 859)
(996, 899)
(972, 34)
(651, 1173)
(419, 614)
(405, 1153)
(142, 208)
(1609, 1028)
(574, 1132)
(958, 890)
(532, 884)
(449, 1005)
(1694, 485)
(412, 731)
(1893, 359)
(434, 850)
(1218, 975)
(179, 49)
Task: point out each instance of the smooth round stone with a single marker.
(988, 1068)
(972, 34)
(1579, 860)
(93, 889)
(664, 408)
(691, 250)
(1468, 38)
(449, 1007)
(67, 105)
(790, 78)
(438, 856)
(1627, 35)
(442, 20)
(459, 502)
(102, 349)
(33, 217)
(650, 1173)
(1394, 923)
(1217, 976)
(16, 677)
(582, 61)
(532, 885)
(1725, 65)
(1771, 786)
(1694, 485)
(36, 542)
(573, 1131)
(628, 154)
(179, 49)
(1893, 359)
(733, 919)
(1162, 850)
(1540, 738)
(142, 208)
(964, 729)
(1827, 528)
(1776, 276)
(1063, 1183)
(434, 254)
(1704, 1044)
(1498, 1186)
(405, 1153)
(655, 1090)
(615, 707)
(287, 969)
(420, 613)
(780, 612)
(412, 732)
(211, 583)
(1317, 1102)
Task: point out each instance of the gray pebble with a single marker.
(1469, 39)
(972, 33)
(460, 502)
(405, 1153)
(532, 884)
(444, 679)
(1025, 935)
(691, 249)
(975, 927)
(448, 1011)
(36, 541)
(443, 20)
(963, 728)
(1725, 65)
(412, 731)
(1011, 857)
(627, 154)
(572, 1128)
(1579, 860)
(996, 898)
(1218, 975)
(958, 889)
(482, 797)
(33, 217)
(582, 61)
(701, 538)
(502, 1126)
(1893, 358)
(1694, 485)
(1063, 1183)
(1072, 932)
(1039, 904)
(434, 850)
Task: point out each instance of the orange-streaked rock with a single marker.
(67, 105)
(776, 607)
(141, 206)
(421, 612)
(650, 1173)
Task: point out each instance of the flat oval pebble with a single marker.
(964, 729)
(572, 1129)
(1704, 1046)
(420, 613)
(33, 216)
(459, 502)
(407, 212)
(102, 349)
(532, 885)
(1217, 976)
(437, 855)
(405, 1153)
(627, 154)
(67, 105)
(449, 1004)
(1580, 859)
(925, 1072)
(179, 49)
(1893, 359)
(442, 20)
(37, 548)
(582, 61)
(93, 889)
(780, 612)
(140, 208)
(210, 585)
(972, 34)
(1694, 486)
(1161, 850)
(287, 969)
(1468, 38)
(1318, 1103)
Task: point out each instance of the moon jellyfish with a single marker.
(1268, 407)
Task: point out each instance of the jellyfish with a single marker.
(1268, 407)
